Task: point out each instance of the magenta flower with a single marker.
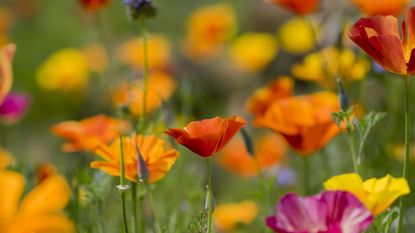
(328, 212)
(13, 107)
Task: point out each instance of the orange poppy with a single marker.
(379, 37)
(381, 7)
(304, 121)
(94, 5)
(159, 88)
(41, 210)
(259, 102)
(302, 7)
(6, 69)
(269, 151)
(89, 133)
(208, 136)
(157, 156)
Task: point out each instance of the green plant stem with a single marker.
(153, 207)
(122, 183)
(134, 199)
(209, 176)
(306, 176)
(145, 74)
(407, 152)
(353, 150)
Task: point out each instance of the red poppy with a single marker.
(94, 4)
(379, 37)
(206, 137)
(302, 7)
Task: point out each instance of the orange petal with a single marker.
(6, 69)
(11, 188)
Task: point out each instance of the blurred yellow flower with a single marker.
(208, 28)
(65, 70)
(131, 52)
(6, 159)
(297, 36)
(40, 211)
(96, 57)
(156, 154)
(329, 64)
(253, 51)
(228, 216)
(376, 194)
(160, 87)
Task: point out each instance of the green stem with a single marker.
(153, 207)
(407, 152)
(145, 74)
(122, 183)
(306, 176)
(134, 199)
(209, 176)
(353, 150)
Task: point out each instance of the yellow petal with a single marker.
(297, 36)
(227, 216)
(11, 188)
(43, 224)
(381, 193)
(50, 196)
(5, 159)
(350, 182)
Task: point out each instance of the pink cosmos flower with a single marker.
(13, 106)
(328, 212)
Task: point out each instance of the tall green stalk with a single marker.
(407, 152)
(134, 199)
(209, 176)
(122, 187)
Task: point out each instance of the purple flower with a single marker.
(13, 107)
(328, 212)
(140, 8)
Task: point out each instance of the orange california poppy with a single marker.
(304, 121)
(269, 151)
(159, 88)
(379, 37)
(6, 69)
(89, 133)
(45, 171)
(41, 210)
(94, 5)
(302, 7)
(259, 102)
(381, 7)
(208, 136)
(228, 216)
(157, 156)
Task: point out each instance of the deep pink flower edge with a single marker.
(13, 107)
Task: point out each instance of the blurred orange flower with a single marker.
(94, 5)
(89, 133)
(157, 156)
(259, 102)
(6, 159)
(5, 22)
(96, 57)
(45, 171)
(6, 69)
(40, 211)
(131, 52)
(379, 37)
(160, 87)
(302, 7)
(228, 216)
(304, 121)
(208, 29)
(269, 151)
(208, 136)
(383, 7)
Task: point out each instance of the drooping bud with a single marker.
(143, 172)
(343, 98)
(248, 142)
(140, 8)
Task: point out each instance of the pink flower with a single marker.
(328, 212)
(13, 106)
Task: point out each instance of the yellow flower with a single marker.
(158, 158)
(227, 216)
(131, 52)
(329, 64)
(160, 87)
(65, 70)
(208, 29)
(297, 36)
(40, 211)
(253, 51)
(376, 194)
(5, 159)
